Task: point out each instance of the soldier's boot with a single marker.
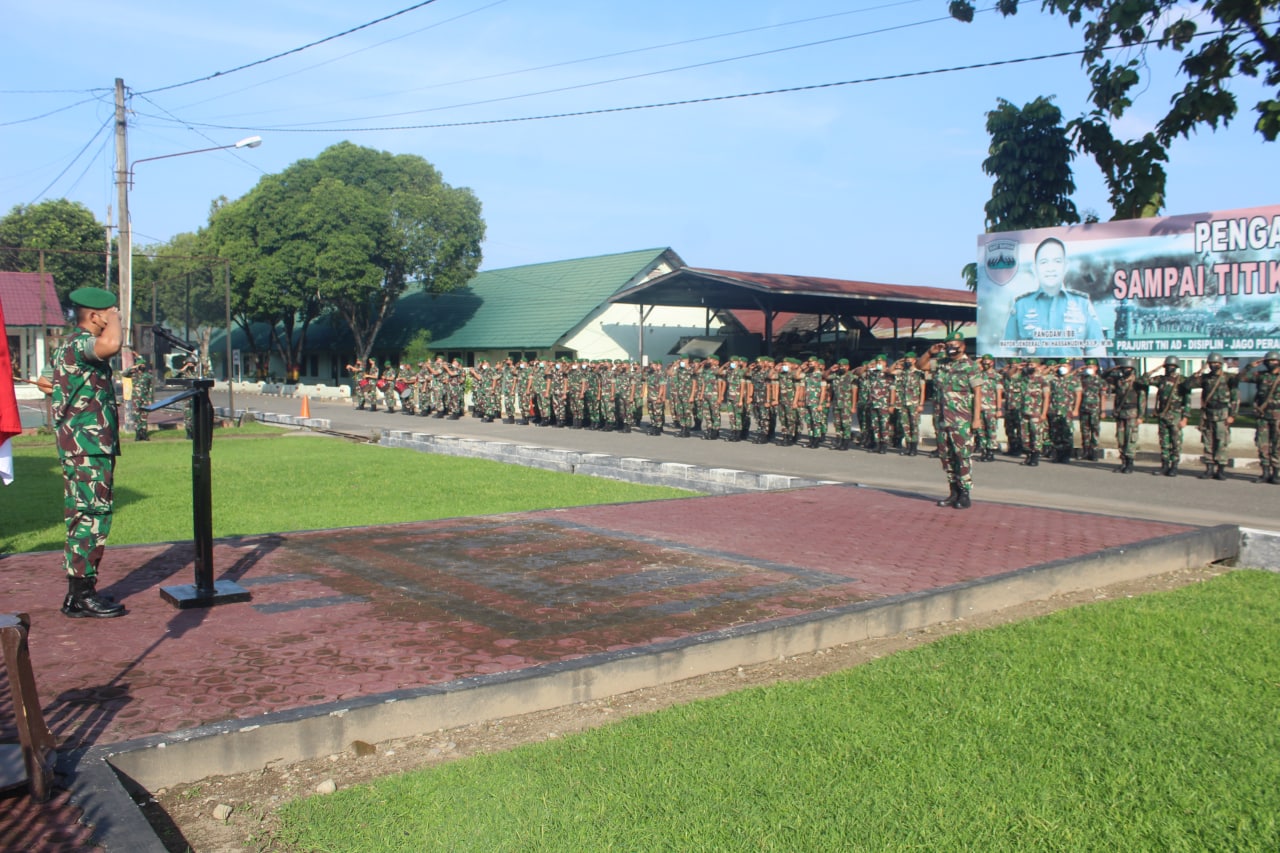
(1173, 469)
(1265, 476)
(1128, 464)
(82, 601)
(684, 431)
(882, 449)
(1275, 478)
(963, 502)
(1219, 472)
(953, 498)
(913, 449)
(735, 435)
(1164, 470)
(1208, 472)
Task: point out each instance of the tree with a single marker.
(349, 230)
(1236, 42)
(187, 286)
(1030, 159)
(56, 224)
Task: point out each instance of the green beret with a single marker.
(92, 297)
(843, 361)
(818, 361)
(911, 354)
(656, 363)
(712, 357)
(1092, 361)
(881, 357)
(954, 336)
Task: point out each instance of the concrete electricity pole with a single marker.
(126, 228)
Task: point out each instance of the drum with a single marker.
(364, 382)
(382, 383)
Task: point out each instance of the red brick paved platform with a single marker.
(359, 612)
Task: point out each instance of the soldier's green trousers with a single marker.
(86, 507)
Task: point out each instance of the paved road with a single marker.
(1089, 487)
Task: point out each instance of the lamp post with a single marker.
(124, 181)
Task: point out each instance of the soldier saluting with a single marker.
(86, 422)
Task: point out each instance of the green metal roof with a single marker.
(528, 307)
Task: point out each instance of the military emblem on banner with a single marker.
(1001, 261)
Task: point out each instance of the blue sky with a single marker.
(879, 181)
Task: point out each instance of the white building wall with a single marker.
(614, 331)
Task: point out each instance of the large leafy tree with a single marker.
(180, 284)
(349, 230)
(73, 240)
(1220, 41)
(1030, 159)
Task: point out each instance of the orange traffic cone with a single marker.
(306, 408)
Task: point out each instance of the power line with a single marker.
(292, 51)
(641, 75)
(353, 53)
(67, 168)
(680, 103)
(705, 100)
(97, 98)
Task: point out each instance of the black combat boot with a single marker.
(913, 448)
(1265, 476)
(1173, 469)
(882, 449)
(1275, 478)
(1219, 472)
(962, 501)
(1164, 470)
(1128, 465)
(953, 498)
(82, 601)
(1208, 472)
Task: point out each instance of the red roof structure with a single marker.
(29, 301)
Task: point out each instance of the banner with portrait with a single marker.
(1171, 285)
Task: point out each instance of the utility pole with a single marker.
(126, 229)
(107, 274)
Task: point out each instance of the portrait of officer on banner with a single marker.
(1053, 320)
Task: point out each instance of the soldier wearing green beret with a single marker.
(86, 422)
(958, 384)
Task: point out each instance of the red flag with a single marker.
(10, 420)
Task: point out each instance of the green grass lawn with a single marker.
(1144, 724)
(267, 480)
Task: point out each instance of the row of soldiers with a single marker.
(877, 405)
(781, 399)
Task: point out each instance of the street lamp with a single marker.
(124, 180)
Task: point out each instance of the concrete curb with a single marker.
(632, 469)
(102, 773)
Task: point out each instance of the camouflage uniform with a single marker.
(908, 386)
(1266, 409)
(875, 392)
(507, 391)
(956, 381)
(788, 417)
(1015, 433)
(1173, 399)
(655, 395)
(1219, 402)
(1129, 400)
(388, 379)
(679, 390)
(86, 422)
(708, 398)
(144, 394)
(1092, 388)
(992, 390)
(559, 392)
(1034, 394)
(840, 381)
(735, 398)
(1064, 400)
(764, 385)
(811, 404)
